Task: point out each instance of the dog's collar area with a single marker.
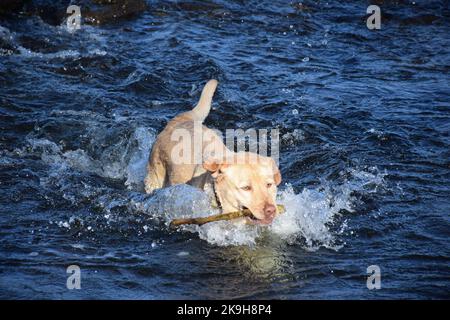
(217, 205)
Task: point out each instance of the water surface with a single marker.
(364, 119)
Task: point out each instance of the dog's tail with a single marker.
(201, 110)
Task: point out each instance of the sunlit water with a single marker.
(364, 129)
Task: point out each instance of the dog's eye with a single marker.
(246, 188)
(269, 185)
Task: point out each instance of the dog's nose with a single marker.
(269, 210)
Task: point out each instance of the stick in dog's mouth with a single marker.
(251, 217)
(223, 216)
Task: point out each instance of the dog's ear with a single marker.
(277, 177)
(214, 165)
(211, 164)
(276, 172)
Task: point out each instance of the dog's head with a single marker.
(246, 180)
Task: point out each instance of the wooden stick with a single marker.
(218, 217)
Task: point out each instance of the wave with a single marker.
(314, 217)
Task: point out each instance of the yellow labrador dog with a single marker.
(188, 152)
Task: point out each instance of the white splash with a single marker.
(130, 165)
(136, 168)
(307, 220)
(312, 218)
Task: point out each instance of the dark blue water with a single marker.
(364, 120)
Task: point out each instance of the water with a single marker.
(364, 125)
